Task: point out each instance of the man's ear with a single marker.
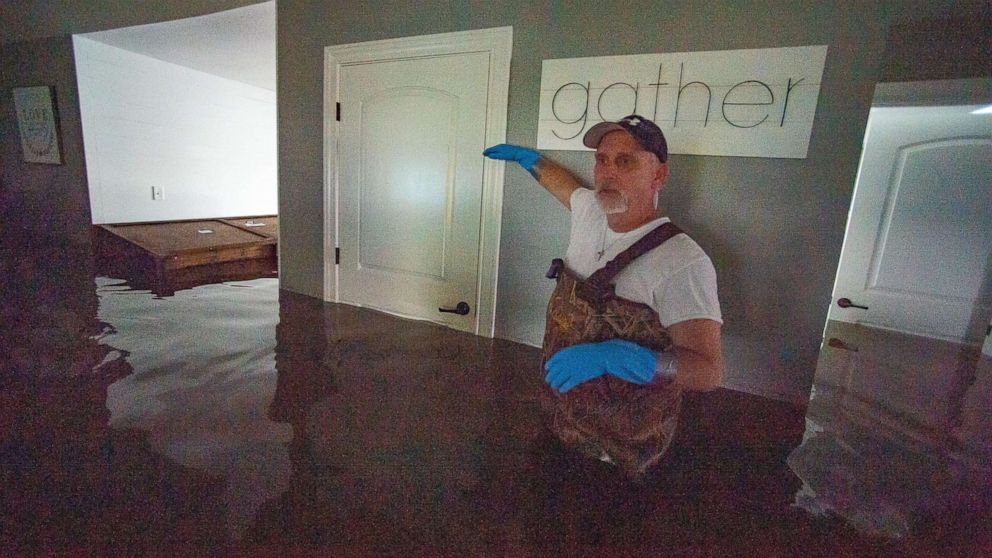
(660, 176)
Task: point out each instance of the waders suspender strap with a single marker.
(597, 287)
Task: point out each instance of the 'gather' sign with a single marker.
(745, 103)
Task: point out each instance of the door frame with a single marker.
(498, 42)
(910, 94)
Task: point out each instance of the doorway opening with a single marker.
(912, 298)
(884, 186)
(897, 423)
(179, 133)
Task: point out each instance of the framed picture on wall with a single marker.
(36, 121)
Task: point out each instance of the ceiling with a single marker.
(238, 44)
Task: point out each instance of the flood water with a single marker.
(236, 419)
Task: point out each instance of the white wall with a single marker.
(209, 142)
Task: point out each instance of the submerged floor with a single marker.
(239, 419)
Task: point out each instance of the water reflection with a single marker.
(401, 426)
(203, 377)
(897, 438)
(238, 417)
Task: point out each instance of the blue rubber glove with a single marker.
(626, 360)
(506, 152)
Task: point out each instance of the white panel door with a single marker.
(410, 184)
(917, 250)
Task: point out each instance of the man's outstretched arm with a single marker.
(555, 178)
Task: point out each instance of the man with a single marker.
(635, 318)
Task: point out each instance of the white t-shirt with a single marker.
(676, 279)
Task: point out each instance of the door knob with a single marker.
(839, 344)
(461, 309)
(846, 303)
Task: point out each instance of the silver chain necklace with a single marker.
(603, 248)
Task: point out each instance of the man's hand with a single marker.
(574, 365)
(525, 157)
(555, 178)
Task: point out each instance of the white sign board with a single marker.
(744, 103)
(36, 120)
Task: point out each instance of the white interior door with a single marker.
(919, 237)
(417, 206)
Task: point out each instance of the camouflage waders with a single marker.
(630, 423)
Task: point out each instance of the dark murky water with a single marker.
(235, 418)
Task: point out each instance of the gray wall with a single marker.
(773, 227)
(49, 204)
(42, 204)
(23, 20)
(948, 46)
